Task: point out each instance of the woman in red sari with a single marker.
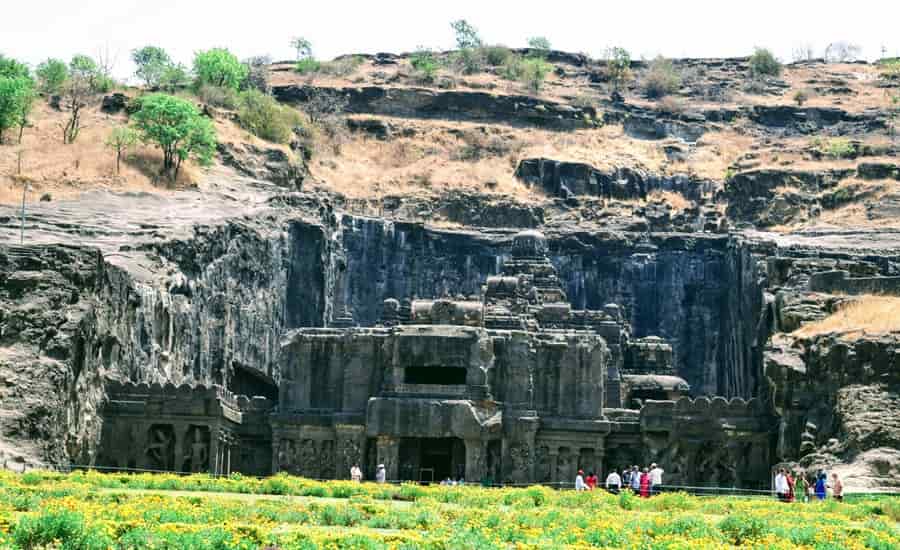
(645, 484)
(790, 483)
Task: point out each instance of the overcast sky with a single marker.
(34, 30)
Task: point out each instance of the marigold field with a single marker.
(89, 510)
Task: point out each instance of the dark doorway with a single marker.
(432, 459)
(445, 376)
(655, 395)
(251, 382)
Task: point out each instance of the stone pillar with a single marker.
(350, 446)
(475, 460)
(388, 451)
(553, 459)
(178, 452)
(214, 450)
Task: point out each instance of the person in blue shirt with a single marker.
(821, 479)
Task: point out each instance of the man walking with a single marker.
(635, 480)
(613, 483)
(781, 485)
(655, 479)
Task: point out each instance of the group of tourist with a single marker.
(644, 482)
(791, 486)
(357, 475)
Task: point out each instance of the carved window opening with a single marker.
(444, 376)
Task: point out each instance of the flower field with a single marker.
(93, 511)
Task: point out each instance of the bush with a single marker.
(513, 69)
(495, 56)
(468, 61)
(743, 528)
(51, 527)
(534, 72)
(219, 67)
(425, 64)
(763, 63)
(217, 96)
(835, 148)
(801, 97)
(344, 66)
(264, 117)
(662, 78)
(308, 65)
(51, 75)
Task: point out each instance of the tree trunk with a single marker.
(118, 160)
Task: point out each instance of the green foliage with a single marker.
(303, 47)
(890, 69)
(152, 62)
(176, 126)
(618, 67)
(11, 68)
(261, 115)
(835, 148)
(539, 43)
(17, 95)
(218, 96)
(63, 527)
(627, 500)
(801, 97)
(662, 78)
(468, 60)
(496, 56)
(51, 74)
(308, 65)
(425, 64)
(83, 66)
(742, 528)
(763, 63)
(174, 77)
(219, 67)
(534, 71)
(466, 35)
(120, 140)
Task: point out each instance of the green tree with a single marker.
(219, 67)
(303, 47)
(618, 67)
(662, 78)
(152, 63)
(466, 35)
(534, 71)
(120, 140)
(263, 116)
(16, 98)
(174, 77)
(424, 62)
(178, 128)
(12, 68)
(539, 43)
(52, 74)
(763, 63)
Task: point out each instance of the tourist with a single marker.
(635, 480)
(821, 488)
(355, 473)
(380, 474)
(655, 478)
(837, 488)
(626, 477)
(645, 484)
(613, 483)
(781, 488)
(790, 484)
(801, 488)
(580, 485)
(591, 481)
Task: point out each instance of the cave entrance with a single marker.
(444, 376)
(250, 382)
(432, 459)
(655, 395)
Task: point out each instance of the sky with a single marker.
(35, 30)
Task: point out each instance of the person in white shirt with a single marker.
(356, 473)
(580, 485)
(781, 485)
(655, 479)
(380, 474)
(613, 483)
(635, 480)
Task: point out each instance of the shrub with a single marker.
(219, 67)
(801, 97)
(763, 63)
(534, 72)
(344, 66)
(174, 77)
(48, 528)
(662, 78)
(743, 528)
(218, 96)
(16, 99)
(468, 61)
(308, 65)
(264, 117)
(424, 62)
(513, 68)
(496, 56)
(539, 45)
(627, 500)
(51, 75)
(618, 67)
(151, 63)
(835, 148)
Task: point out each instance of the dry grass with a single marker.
(676, 201)
(49, 166)
(866, 314)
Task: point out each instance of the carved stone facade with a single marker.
(513, 386)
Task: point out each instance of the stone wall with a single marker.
(840, 282)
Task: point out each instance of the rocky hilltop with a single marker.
(728, 218)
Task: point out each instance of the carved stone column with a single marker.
(215, 450)
(351, 440)
(553, 459)
(388, 451)
(178, 449)
(475, 460)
